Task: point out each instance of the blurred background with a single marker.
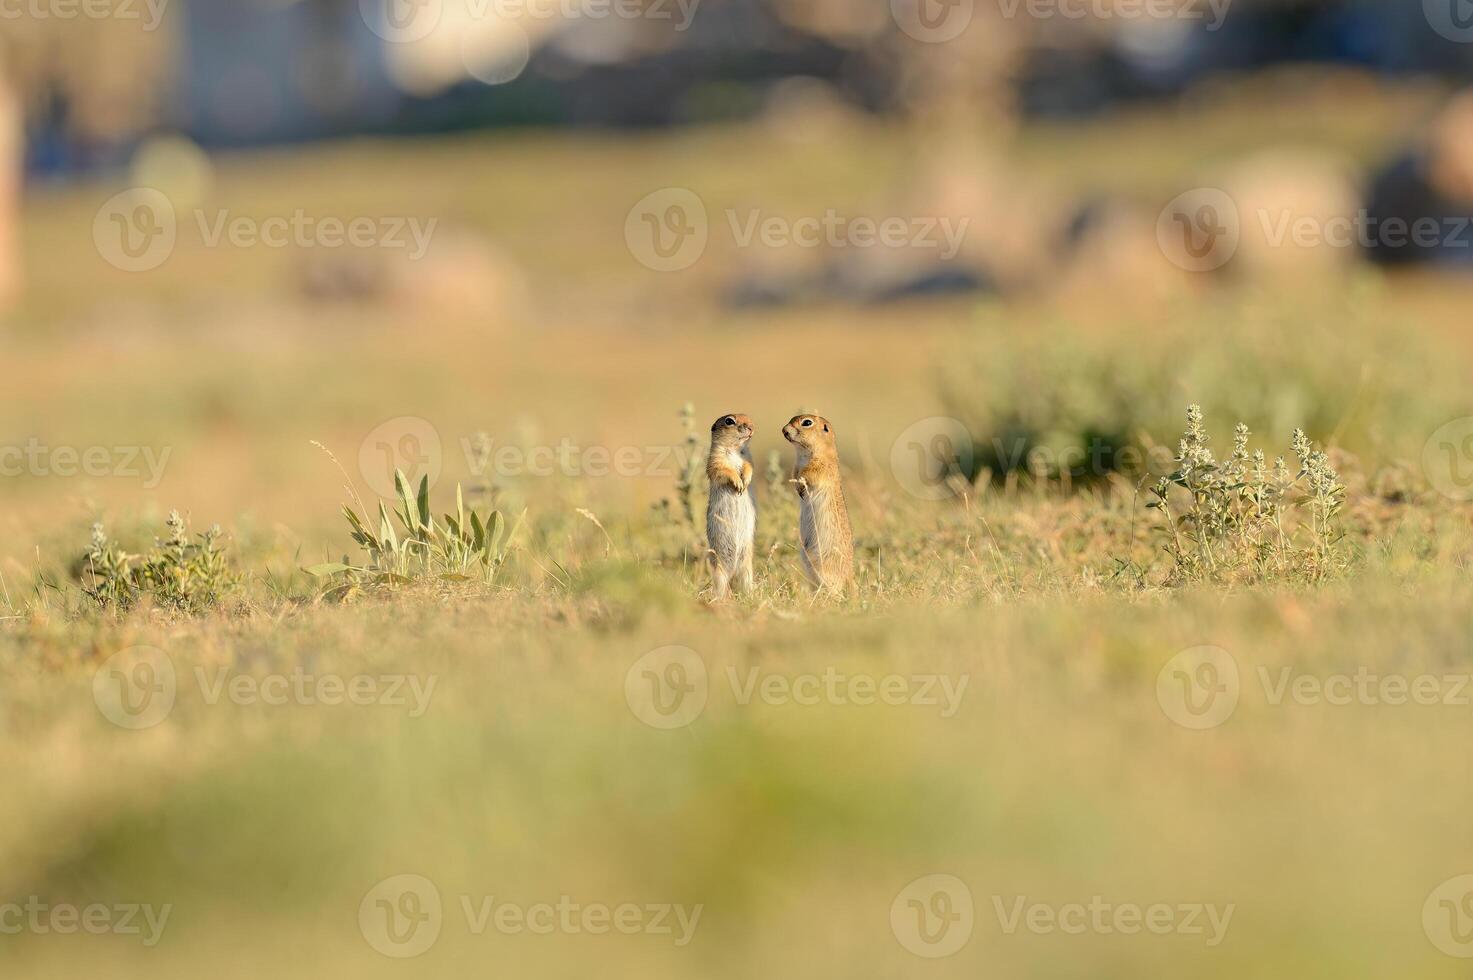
(403, 227)
(177, 178)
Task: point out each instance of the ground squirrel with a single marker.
(731, 513)
(823, 524)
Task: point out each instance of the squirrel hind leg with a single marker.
(810, 569)
(745, 577)
(720, 580)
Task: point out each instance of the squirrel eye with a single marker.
(730, 420)
(807, 423)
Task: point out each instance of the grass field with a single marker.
(1130, 759)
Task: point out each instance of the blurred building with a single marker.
(253, 71)
(264, 71)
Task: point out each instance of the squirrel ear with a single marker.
(825, 427)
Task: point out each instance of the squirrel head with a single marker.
(810, 433)
(731, 430)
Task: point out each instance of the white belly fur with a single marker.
(813, 550)
(731, 521)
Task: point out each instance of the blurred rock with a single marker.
(879, 275)
(1109, 247)
(344, 277)
(460, 275)
(1451, 153)
(1297, 211)
(808, 110)
(975, 225)
(858, 277)
(1432, 182)
(1280, 214)
(1011, 221)
(464, 273)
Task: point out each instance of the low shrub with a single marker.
(180, 573)
(462, 547)
(1240, 518)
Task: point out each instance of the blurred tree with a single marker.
(92, 81)
(12, 134)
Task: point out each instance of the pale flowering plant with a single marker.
(1241, 518)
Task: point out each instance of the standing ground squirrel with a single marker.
(731, 513)
(823, 524)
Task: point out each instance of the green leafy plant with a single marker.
(181, 573)
(1238, 516)
(463, 546)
